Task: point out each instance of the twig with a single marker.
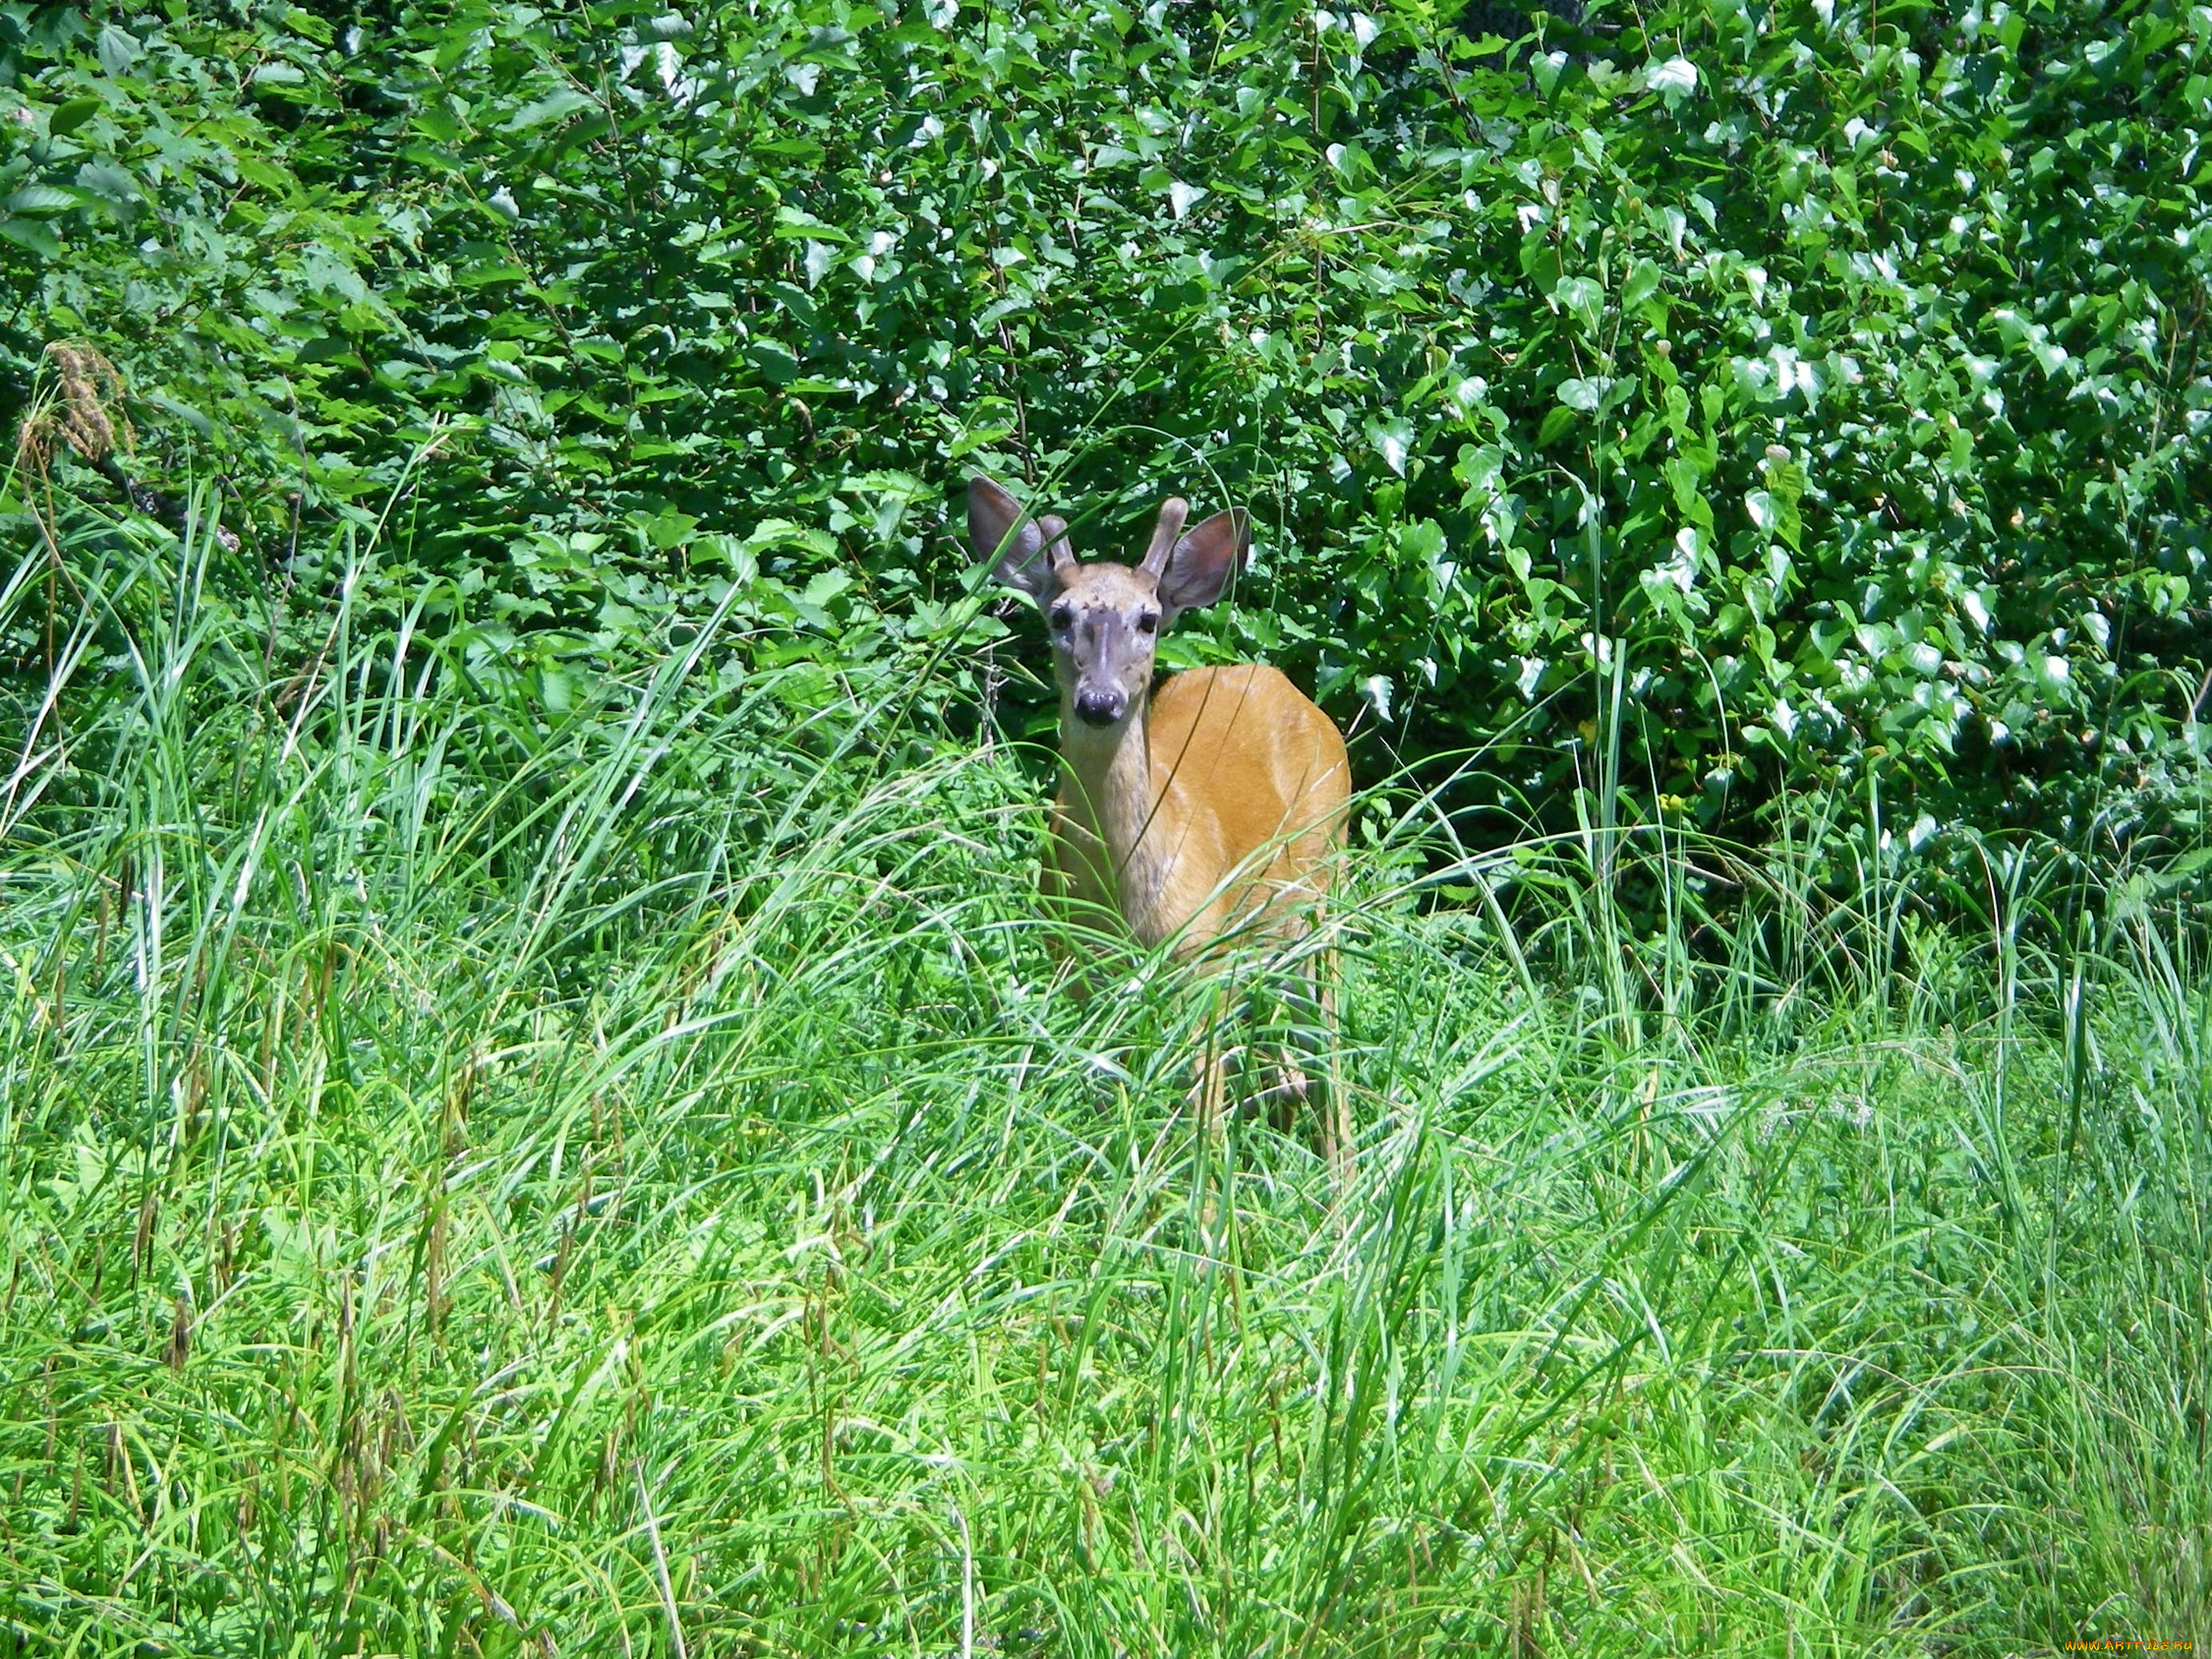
(154, 504)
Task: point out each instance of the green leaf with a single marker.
(1393, 442)
(1581, 395)
(1540, 261)
(42, 200)
(108, 182)
(275, 180)
(1643, 282)
(29, 233)
(1579, 297)
(773, 360)
(70, 116)
(303, 22)
(555, 105)
(117, 50)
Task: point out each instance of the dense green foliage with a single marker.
(471, 1188)
(1731, 401)
(539, 1114)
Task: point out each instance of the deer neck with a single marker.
(1112, 795)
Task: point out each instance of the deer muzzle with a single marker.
(1100, 708)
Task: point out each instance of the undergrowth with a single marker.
(478, 1180)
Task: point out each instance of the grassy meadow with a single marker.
(478, 1181)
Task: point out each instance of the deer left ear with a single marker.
(1024, 553)
(1199, 570)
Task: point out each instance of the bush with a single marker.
(1667, 417)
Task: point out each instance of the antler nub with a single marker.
(1165, 534)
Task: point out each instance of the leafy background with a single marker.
(536, 1112)
(1685, 413)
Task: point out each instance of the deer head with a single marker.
(1104, 620)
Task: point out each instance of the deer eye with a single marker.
(1149, 622)
(1061, 617)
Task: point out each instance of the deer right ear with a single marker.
(1027, 553)
(1199, 567)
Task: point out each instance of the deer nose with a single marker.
(1099, 708)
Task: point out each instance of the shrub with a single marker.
(1671, 415)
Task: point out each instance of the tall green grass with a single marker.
(478, 1181)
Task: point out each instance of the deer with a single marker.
(1203, 811)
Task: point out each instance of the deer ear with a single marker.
(1204, 561)
(1026, 551)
